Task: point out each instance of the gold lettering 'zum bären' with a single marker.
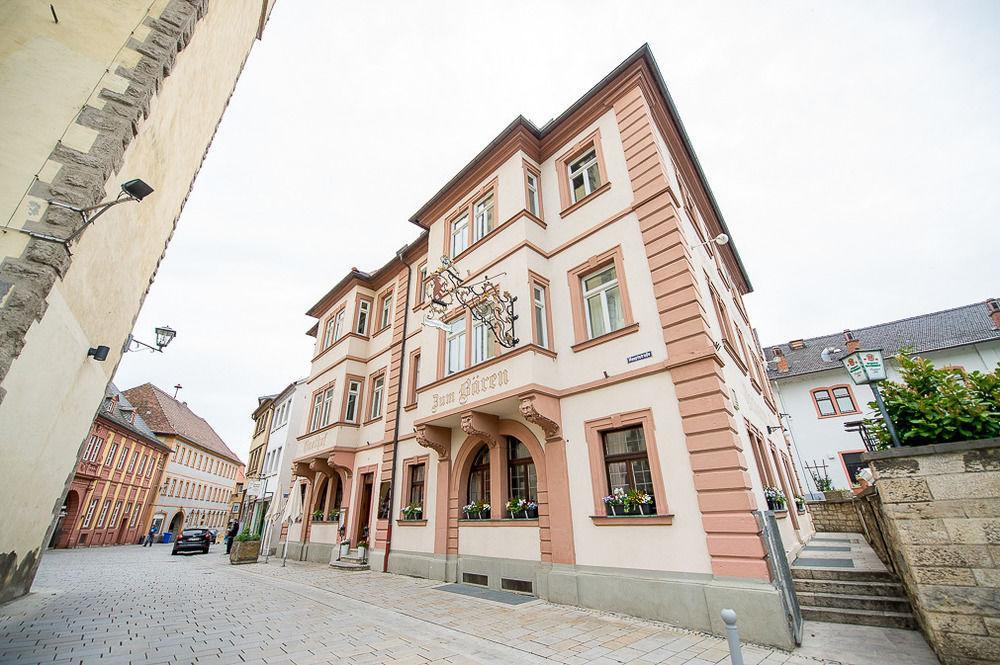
(472, 387)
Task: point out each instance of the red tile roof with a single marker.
(166, 415)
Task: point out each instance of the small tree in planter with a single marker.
(246, 548)
(614, 503)
(413, 511)
(317, 516)
(477, 510)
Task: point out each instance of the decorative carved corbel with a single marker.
(436, 438)
(483, 425)
(543, 411)
(300, 469)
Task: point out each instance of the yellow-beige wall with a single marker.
(174, 63)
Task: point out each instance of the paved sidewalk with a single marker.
(129, 605)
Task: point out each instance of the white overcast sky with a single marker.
(852, 146)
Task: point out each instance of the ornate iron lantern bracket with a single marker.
(484, 300)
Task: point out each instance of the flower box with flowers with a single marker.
(413, 511)
(477, 510)
(522, 509)
(623, 501)
(775, 498)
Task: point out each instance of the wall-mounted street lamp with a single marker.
(720, 240)
(868, 367)
(133, 190)
(164, 335)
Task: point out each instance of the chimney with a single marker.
(796, 344)
(782, 360)
(993, 307)
(853, 343)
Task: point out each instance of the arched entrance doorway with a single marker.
(63, 533)
(177, 523)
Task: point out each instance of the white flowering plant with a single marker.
(477, 508)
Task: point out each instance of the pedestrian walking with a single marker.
(234, 528)
(150, 536)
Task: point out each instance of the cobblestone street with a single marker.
(135, 605)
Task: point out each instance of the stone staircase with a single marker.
(350, 562)
(850, 588)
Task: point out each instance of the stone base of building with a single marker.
(315, 552)
(683, 599)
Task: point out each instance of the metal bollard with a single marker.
(733, 636)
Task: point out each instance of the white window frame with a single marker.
(482, 342)
(385, 314)
(601, 291)
(351, 407)
(328, 332)
(115, 512)
(123, 459)
(131, 464)
(338, 324)
(89, 516)
(531, 181)
(103, 515)
(142, 466)
(112, 451)
(454, 348)
(317, 411)
(582, 166)
(327, 406)
(484, 218)
(460, 234)
(364, 314)
(541, 315)
(378, 388)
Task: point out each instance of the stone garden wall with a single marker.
(836, 515)
(940, 519)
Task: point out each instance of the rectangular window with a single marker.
(327, 407)
(602, 302)
(89, 517)
(378, 387)
(338, 325)
(122, 459)
(317, 411)
(364, 311)
(417, 484)
(351, 406)
(93, 448)
(823, 402)
(483, 347)
(173, 487)
(104, 513)
(385, 311)
(845, 401)
(149, 469)
(421, 284)
(134, 514)
(483, 215)
(584, 175)
(531, 184)
(454, 348)
(853, 464)
(625, 460)
(142, 466)
(132, 462)
(110, 459)
(113, 522)
(328, 331)
(459, 235)
(414, 383)
(541, 317)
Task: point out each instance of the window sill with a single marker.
(401, 522)
(631, 520)
(586, 199)
(780, 514)
(372, 420)
(409, 407)
(607, 337)
(734, 355)
(498, 522)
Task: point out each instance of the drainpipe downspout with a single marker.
(399, 410)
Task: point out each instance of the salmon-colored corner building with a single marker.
(115, 479)
(635, 368)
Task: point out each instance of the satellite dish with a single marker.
(827, 353)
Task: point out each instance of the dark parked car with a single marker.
(193, 540)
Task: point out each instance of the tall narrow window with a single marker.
(142, 466)
(414, 382)
(134, 512)
(364, 311)
(385, 311)
(421, 283)
(327, 409)
(131, 464)
(417, 484)
(521, 471)
(338, 325)
(93, 448)
(122, 459)
(104, 513)
(110, 459)
(845, 401)
(531, 183)
(317, 410)
(625, 460)
(459, 235)
(89, 517)
(114, 514)
(602, 302)
(455, 348)
(483, 212)
(173, 487)
(541, 317)
(378, 387)
(479, 477)
(482, 338)
(328, 332)
(351, 407)
(584, 175)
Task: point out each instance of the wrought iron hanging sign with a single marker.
(484, 300)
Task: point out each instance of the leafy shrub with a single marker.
(938, 405)
(245, 535)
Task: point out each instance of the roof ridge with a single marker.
(887, 323)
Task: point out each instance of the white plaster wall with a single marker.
(415, 538)
(504, 542)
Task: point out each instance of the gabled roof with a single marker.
(121, 414)
(166, 415)
(924, 333)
